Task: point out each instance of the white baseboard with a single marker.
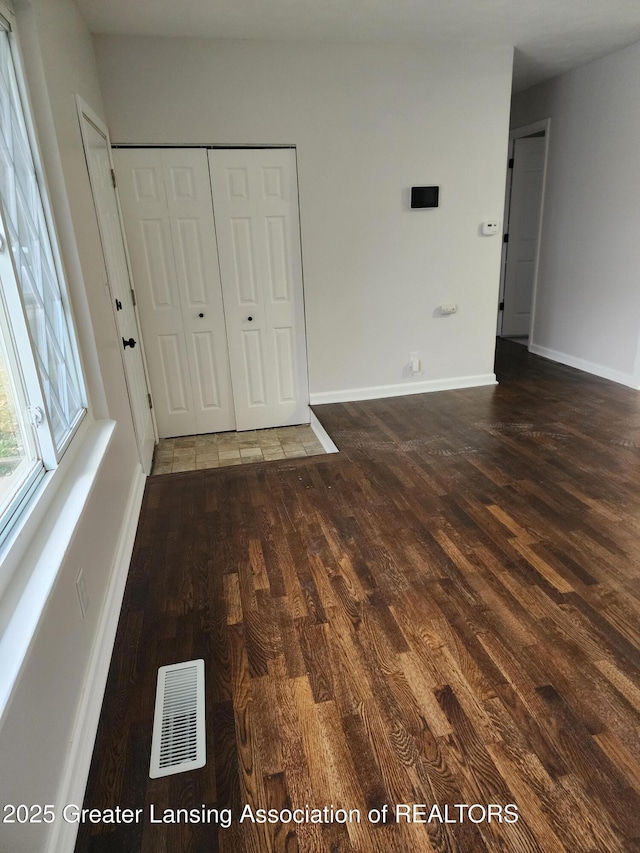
(74, 780)
(321, 434)
(402, 389)
(627, 379)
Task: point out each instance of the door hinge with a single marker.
(113, 178)
(133, 296)
(118, 305)
(501, 306)
(150, 401)
(511, 163)
(505, 239)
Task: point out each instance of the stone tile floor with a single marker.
(217, 450)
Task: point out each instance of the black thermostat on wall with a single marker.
(424, 196)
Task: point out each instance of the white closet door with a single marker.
(166, 201)
(255, 198)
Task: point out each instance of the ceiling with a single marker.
(550, 36)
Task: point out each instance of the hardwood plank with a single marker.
(445, 612)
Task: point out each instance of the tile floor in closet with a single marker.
(218, 450)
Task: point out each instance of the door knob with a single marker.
(201, 315)
(249, 319)
(128, 343)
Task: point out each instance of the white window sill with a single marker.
(33, 553)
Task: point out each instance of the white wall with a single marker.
(588, 301)
(37, 726)
(368, 122)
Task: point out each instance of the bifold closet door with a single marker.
(255, 200)
(166, 201)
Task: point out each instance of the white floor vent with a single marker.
(178, 742)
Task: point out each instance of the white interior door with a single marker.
(524, 224)
(166, 201)
(97, 148)
(255, 199)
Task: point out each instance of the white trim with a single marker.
(7, 13)
(85, 113)
(35, 548)
(37, 157)
(377, 392)
(592, 367)
(636, 368)
(34, 378)
(505, 230)
(29, 44)
(321, 434)
(528, 129)
(85, 727)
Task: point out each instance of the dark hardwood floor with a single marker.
(444, 613)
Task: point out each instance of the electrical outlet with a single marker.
(448, 309)
(83, 594)
(415, 366)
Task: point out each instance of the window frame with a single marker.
(24, 349)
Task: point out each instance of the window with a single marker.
(42, 398)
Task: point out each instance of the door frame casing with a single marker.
(519, 133)
(86, 113)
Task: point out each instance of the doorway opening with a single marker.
(524, 199)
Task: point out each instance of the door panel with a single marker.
(207, 381)
(97, 151)
(243, 261)
(160, 287)
(166, 199)
(524, 222)
(277, 252)
(283, 348)
(193, 232)
(256, 214)
(174, 382)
